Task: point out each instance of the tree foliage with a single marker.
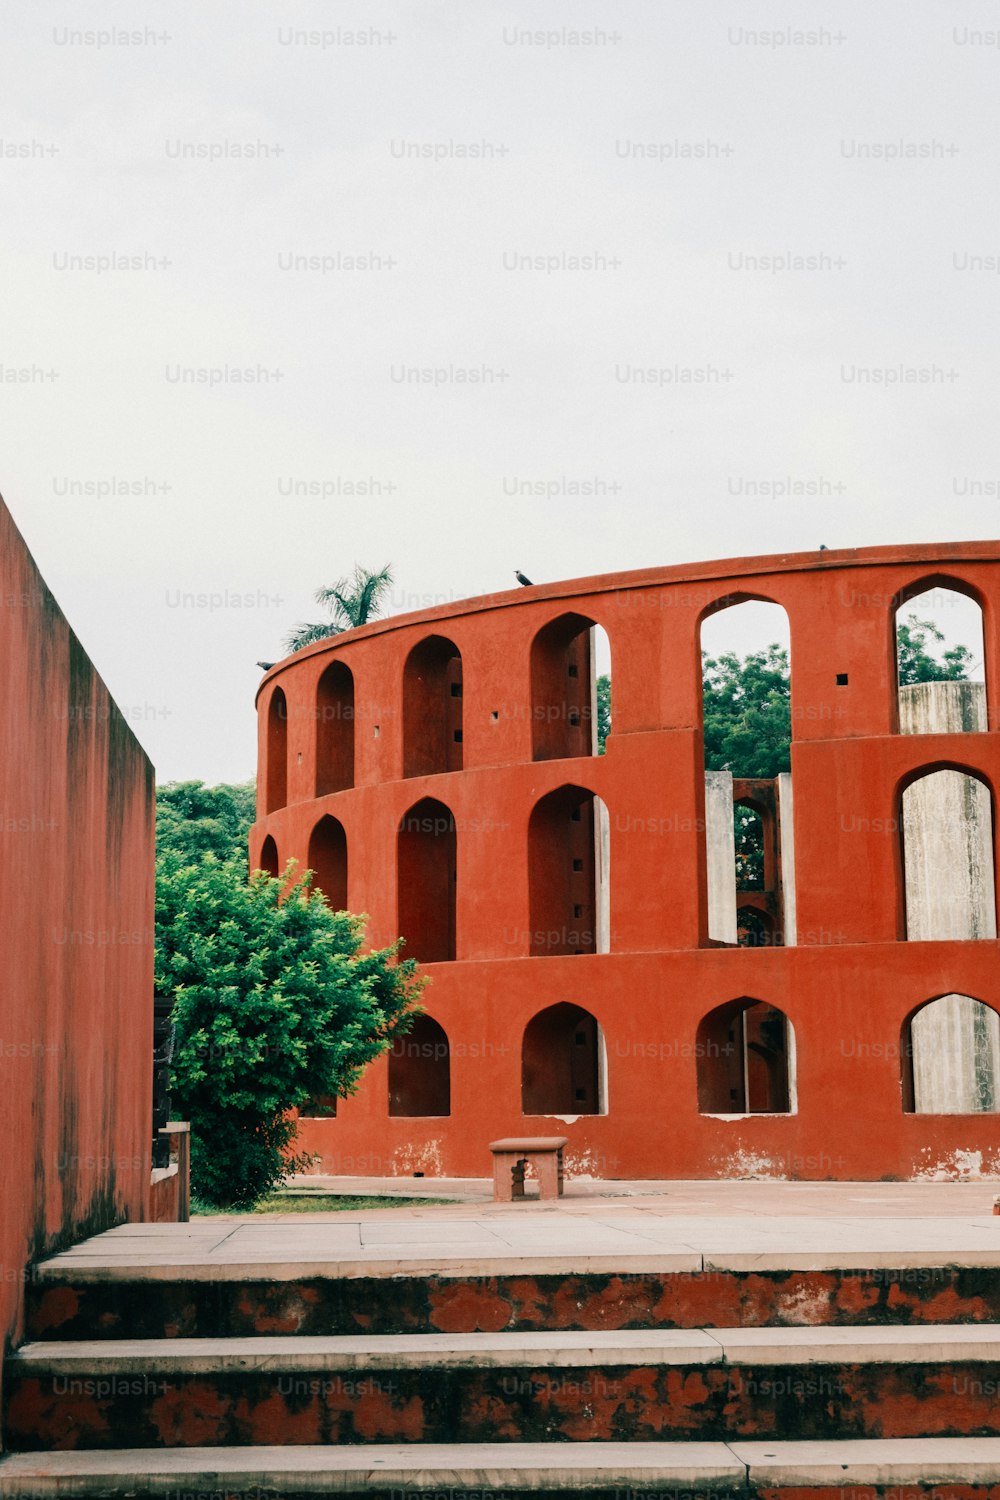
(351, 602)
(274, 1002)
(916, 657)
(193, 819)
(747, 712)
(603, 711)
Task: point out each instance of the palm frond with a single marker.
(372, 592)
(305, 635)
(355, 600)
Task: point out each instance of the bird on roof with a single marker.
(823, 547)
(526, 582)
(265, 666)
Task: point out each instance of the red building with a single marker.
(437, 771)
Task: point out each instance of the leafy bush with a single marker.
(274, 1002)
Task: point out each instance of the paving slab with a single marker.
(865, 1344)
(862, 1461)
(379, 1261)
(669, 1346)
(495, 1467)
(332, 1470)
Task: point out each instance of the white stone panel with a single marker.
(720, 850)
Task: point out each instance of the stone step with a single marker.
(73, 1297)
(694, 1384)
(723, 1471)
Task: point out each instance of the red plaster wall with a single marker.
(846, 989)
(76, 906)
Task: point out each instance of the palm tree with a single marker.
(351, 601)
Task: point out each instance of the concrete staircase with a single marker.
(245, 1381)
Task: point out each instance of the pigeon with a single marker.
(265, 666)
(522, 580)
(823, 547)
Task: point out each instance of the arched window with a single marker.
(277, 751)
(426, 856)
(754, 928)
(951, 1058)
(335, 730)
(328, 861)
(568, 867)
(744, 1053)
(420, 1071)
(940, 660)
(269, 856)
(563, 1063)
(947, 833)
(566, 656)
(432, 708)
(747, 726)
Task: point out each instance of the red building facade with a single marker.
(437, 771)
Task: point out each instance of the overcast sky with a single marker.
(534, 201)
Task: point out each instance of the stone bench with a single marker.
(510, 1157)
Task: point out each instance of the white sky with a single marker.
(785, 126)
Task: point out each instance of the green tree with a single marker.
(603, 711)
(351, 601)
(274, 1002)
(193, 819)
(747, 712)
(915, 654)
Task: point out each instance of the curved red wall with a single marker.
(846, 988)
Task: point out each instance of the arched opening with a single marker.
(751, 849)
(947, 834)
(426, 854)
(747, 727)
(269, 856)
(420, 1071)
(563, 1063)
(567, 718)
(951, 1058)
(335, 730)
(432, 708)
(328, 861)
(277, 751)
(568, 873)
(754, 928)
(940, 660)
(745, 1051)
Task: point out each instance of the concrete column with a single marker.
(786, 826)
(602, 875)
(948, 861)
(720, 851)
(592, 637)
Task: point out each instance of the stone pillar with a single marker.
(948, 861)
(786, 835)
(602, 875)
(720, 856)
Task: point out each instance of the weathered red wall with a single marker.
(847, 988)
(76, 907)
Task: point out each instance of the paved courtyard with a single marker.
(687, 1226)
